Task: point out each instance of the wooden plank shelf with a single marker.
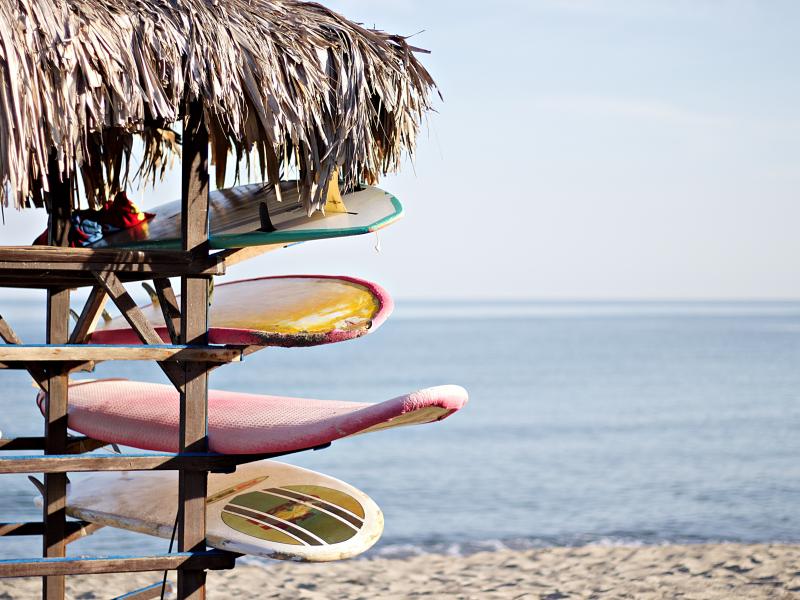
(68, 463)
(211, 559)
(75, 445)
(46, 281)
(48, 267)
(154, 590)
(70, 260)
(152, 461)
(25, 353)
(112, 256)
(74, 528)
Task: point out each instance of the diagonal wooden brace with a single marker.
(169, 307)
(38, 372)
(88, 318)
(9, 335)
(138, 322)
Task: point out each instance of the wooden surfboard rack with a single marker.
(186, 363)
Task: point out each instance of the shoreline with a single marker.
(713, 571)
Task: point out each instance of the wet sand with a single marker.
(718, 571)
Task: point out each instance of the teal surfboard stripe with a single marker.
(228, 241)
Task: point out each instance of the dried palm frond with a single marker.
(293, 81)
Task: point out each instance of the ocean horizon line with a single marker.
(28, 305)
(444, 309)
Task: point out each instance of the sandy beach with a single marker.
(719, 571)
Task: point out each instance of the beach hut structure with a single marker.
(289, 88)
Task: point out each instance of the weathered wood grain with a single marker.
(212, 559)
(89, 316)
(67, 463)
(138, 322)
(192, 487)
(74, 529)
(149, 592)
(7, 333)
(75, 445)
(100, 352)
(54, 501)
(169, 307)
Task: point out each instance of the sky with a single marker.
(585, 149)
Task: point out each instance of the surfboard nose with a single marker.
(452, 397)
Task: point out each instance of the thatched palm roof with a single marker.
(293, 80)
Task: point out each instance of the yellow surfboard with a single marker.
(289, 311)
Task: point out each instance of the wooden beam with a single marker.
(235, 256)
(36, 371)
(43, 267)
(138, 322)
(8, 334)
(54, 502)
(45, 279)
(28, 269)
(75, 445)
(15, 529)
(132, 313)
(75, 529)
(44, 258)
(101, 352)
(46, 254)
(70, 367)
(68, 463)
(213, 559)
(87, 321)
(169, 307)
(55, 498)
(74, 534)
(149, 592)
(82, 445)
(59, 205)
(192, 487)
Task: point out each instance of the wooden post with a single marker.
(194, 330)
(55, 429)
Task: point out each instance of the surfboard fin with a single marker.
(37, 484)
(333, 200)
(150, 292)
(74, 314)
(266, 222)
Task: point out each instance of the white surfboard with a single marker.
(235, 219)
(265, 508)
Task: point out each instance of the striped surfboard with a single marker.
(266, 508)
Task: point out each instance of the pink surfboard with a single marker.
(145, 415)
(291, 310)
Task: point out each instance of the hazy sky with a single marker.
(585, 149)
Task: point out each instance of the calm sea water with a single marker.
(587, 422)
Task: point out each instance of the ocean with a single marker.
(597, 422)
